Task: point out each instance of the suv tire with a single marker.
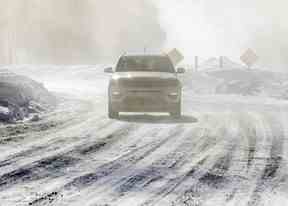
(177, 112)
(111, 113)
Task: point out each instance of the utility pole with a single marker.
(196, 63)
(221, 62)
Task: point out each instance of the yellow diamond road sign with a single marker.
(175, 56)
(249, 58)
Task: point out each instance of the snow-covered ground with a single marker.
(225, 150)
(233, 78)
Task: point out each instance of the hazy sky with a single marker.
(76, 31)
(228, 27)
(91, 31)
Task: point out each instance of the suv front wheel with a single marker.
(177, 112)
(111, 113)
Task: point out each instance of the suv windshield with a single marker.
(145, 64)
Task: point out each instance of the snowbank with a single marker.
(20, 96)
(234, 78)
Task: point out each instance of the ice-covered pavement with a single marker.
(225, 150)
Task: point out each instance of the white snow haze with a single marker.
(95, 31)
(75, 31)
(228, 27)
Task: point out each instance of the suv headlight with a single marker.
(114, 90)
(173, 95)
(116, 93)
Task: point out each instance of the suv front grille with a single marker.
(147, 83)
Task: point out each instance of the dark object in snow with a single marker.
(14, 111)
(35, 107)
(4, 114)
(22, 96)
(35, 118)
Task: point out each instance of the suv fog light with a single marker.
(116, 94)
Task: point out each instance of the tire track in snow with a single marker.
(62, 117)
(49, 166)
(246, 190)
(48, 172)
(69, 191)
(88, 160)
(164, 163)
(258, 164)
(54, 145)
(232, 168)
(39, 140)
(211, 167)
(273, 162)
(221, 183)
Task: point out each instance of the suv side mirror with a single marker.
(180, 70)
(108, 70)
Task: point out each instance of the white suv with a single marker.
(144, 83)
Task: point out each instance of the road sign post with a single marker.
(175, 56)
(196, 63)
(221, 62)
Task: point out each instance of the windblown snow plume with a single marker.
(224, 27)
(76, 32)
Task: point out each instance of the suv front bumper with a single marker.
(142, 101)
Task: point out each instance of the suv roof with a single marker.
(145, 62)
(144, 54)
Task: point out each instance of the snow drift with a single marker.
(233, 78)
(21, 96)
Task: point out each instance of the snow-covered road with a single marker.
(225, 150)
